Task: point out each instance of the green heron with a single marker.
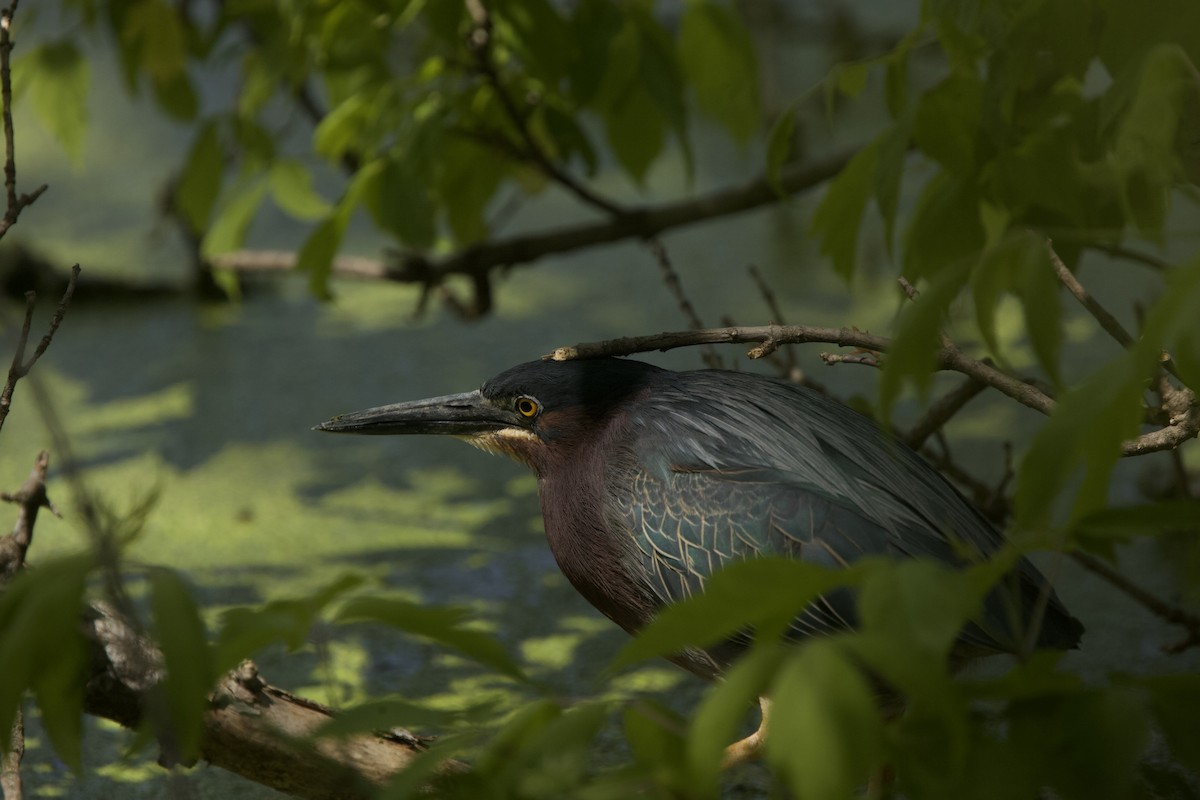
(651, 480)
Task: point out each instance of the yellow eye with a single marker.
(527, 407)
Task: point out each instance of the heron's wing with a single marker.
(687, 525)
(732, 466)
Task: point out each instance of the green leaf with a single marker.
(1144, 149)
(245, 631)
(634, 126)
(384, 713)
(946, 234)
(342, 129)
(723, 711)
(1085, 431)
(895, 76)
(318, 251)
(1173, 701)
(948, 121)
(57, 79)
(919, 602)
(653, 732)
(538, 34)
(912, 357)
(1129, 31)
(181, 636)
(1100, 529)
(659, 75)
(228, 231)
(176, 96)
(718, 58)
(153, 29)
(852, 78)
(820, 698)
(889, 172)
(200, 181)
(780, 144)
(1091, 741)
(443, 625)
(397, 196)
(292, 190)
(943, 242)
(763, 593)
(594, 28)
(566, 136)
(839, 216)
(1172, 323)
(521, 728)
(42, 649)
(1042, 300)
(1034, 678)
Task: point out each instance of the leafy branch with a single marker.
(478, 261)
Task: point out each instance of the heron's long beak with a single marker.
(466, 414)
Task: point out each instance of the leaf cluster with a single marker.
(426, 112)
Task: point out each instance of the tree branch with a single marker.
(263, 733)
(20, 367)
(1160, 608)
(674, 285)
(940, 412)
(949, 357)
(15, 203)
(636, 223)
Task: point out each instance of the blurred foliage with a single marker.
(1076, 121)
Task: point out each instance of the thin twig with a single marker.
(671, 278)
(768, 296)
(1184, 424)
(29, 499)
(1129, 254)
(1107, 321)
(14, 203)
(1160, 608)
(480, 43)
(941, 411)
(20, 367)
(10, 165)
(864, 359)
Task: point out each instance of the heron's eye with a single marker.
(527, 407)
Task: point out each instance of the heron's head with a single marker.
(532, 412)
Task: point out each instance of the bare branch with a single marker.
(253, 729)
(949, 357)
(671, 278)
(768, 295)
(863, 359)
(285, 260)
(941, 412)
(14, 203)
(21, 367)
(1180, 429)
(636, 223)
(1107, 321)
(30, 499)
(10, 763)
(1160, 608)
(1129, 254)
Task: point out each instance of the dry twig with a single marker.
(15, 203)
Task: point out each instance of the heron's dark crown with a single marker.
(594, 386)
